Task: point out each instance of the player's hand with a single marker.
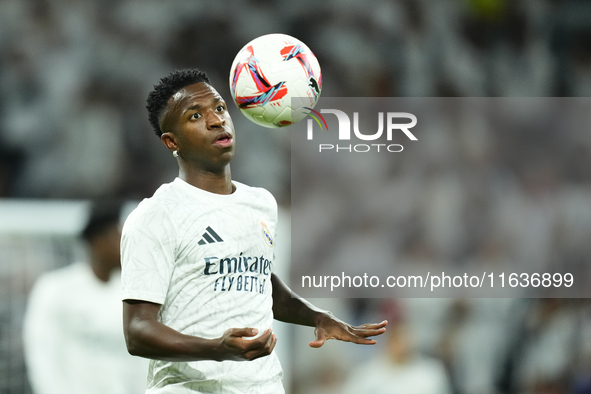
(234, 344)
(329, 327)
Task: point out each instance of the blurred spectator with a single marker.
(472, 342)
(400, 368)
(87, 67)
(543, 350)
(73, 329)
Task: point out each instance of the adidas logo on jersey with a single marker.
(210, 237)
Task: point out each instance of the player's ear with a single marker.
(169, 141)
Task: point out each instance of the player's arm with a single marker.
(45, 335)
(147, 337)
(296, 310)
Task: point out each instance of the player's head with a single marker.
(102, 232)
(192, 120)
(158, 98)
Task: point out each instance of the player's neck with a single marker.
(213, 182)
(101, 271)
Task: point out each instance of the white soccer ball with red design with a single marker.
(275, 80)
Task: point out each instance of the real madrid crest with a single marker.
(267, 234)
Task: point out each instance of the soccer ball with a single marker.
(275, 80)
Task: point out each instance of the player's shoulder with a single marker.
(256, 193)
(71, 270)
(63, 277)
(152, 210)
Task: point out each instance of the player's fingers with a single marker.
(317, 343)
(373, 326)
(321, 337)
(275, 339)
(270, 344)
(243, 332)
(367, 332)
(360, 340)
(351, 334)
(258, 343)
(264, 351)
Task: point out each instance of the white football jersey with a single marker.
(73, 339)
(207, 259)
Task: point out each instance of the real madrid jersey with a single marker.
(207, 259)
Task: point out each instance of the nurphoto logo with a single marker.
(393, 125)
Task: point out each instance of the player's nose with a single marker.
(214, 119)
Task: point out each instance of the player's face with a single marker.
(198, 125)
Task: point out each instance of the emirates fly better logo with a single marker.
(395, 122)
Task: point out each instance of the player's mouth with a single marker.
(223, 140)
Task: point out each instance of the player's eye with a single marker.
(196, 116)
(221, 108)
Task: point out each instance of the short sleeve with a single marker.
(147, 254)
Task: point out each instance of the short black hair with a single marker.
(168, 86)
(103, 215)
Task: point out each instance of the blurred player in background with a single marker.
(72, 330)
(400, 368)
(198, 285)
